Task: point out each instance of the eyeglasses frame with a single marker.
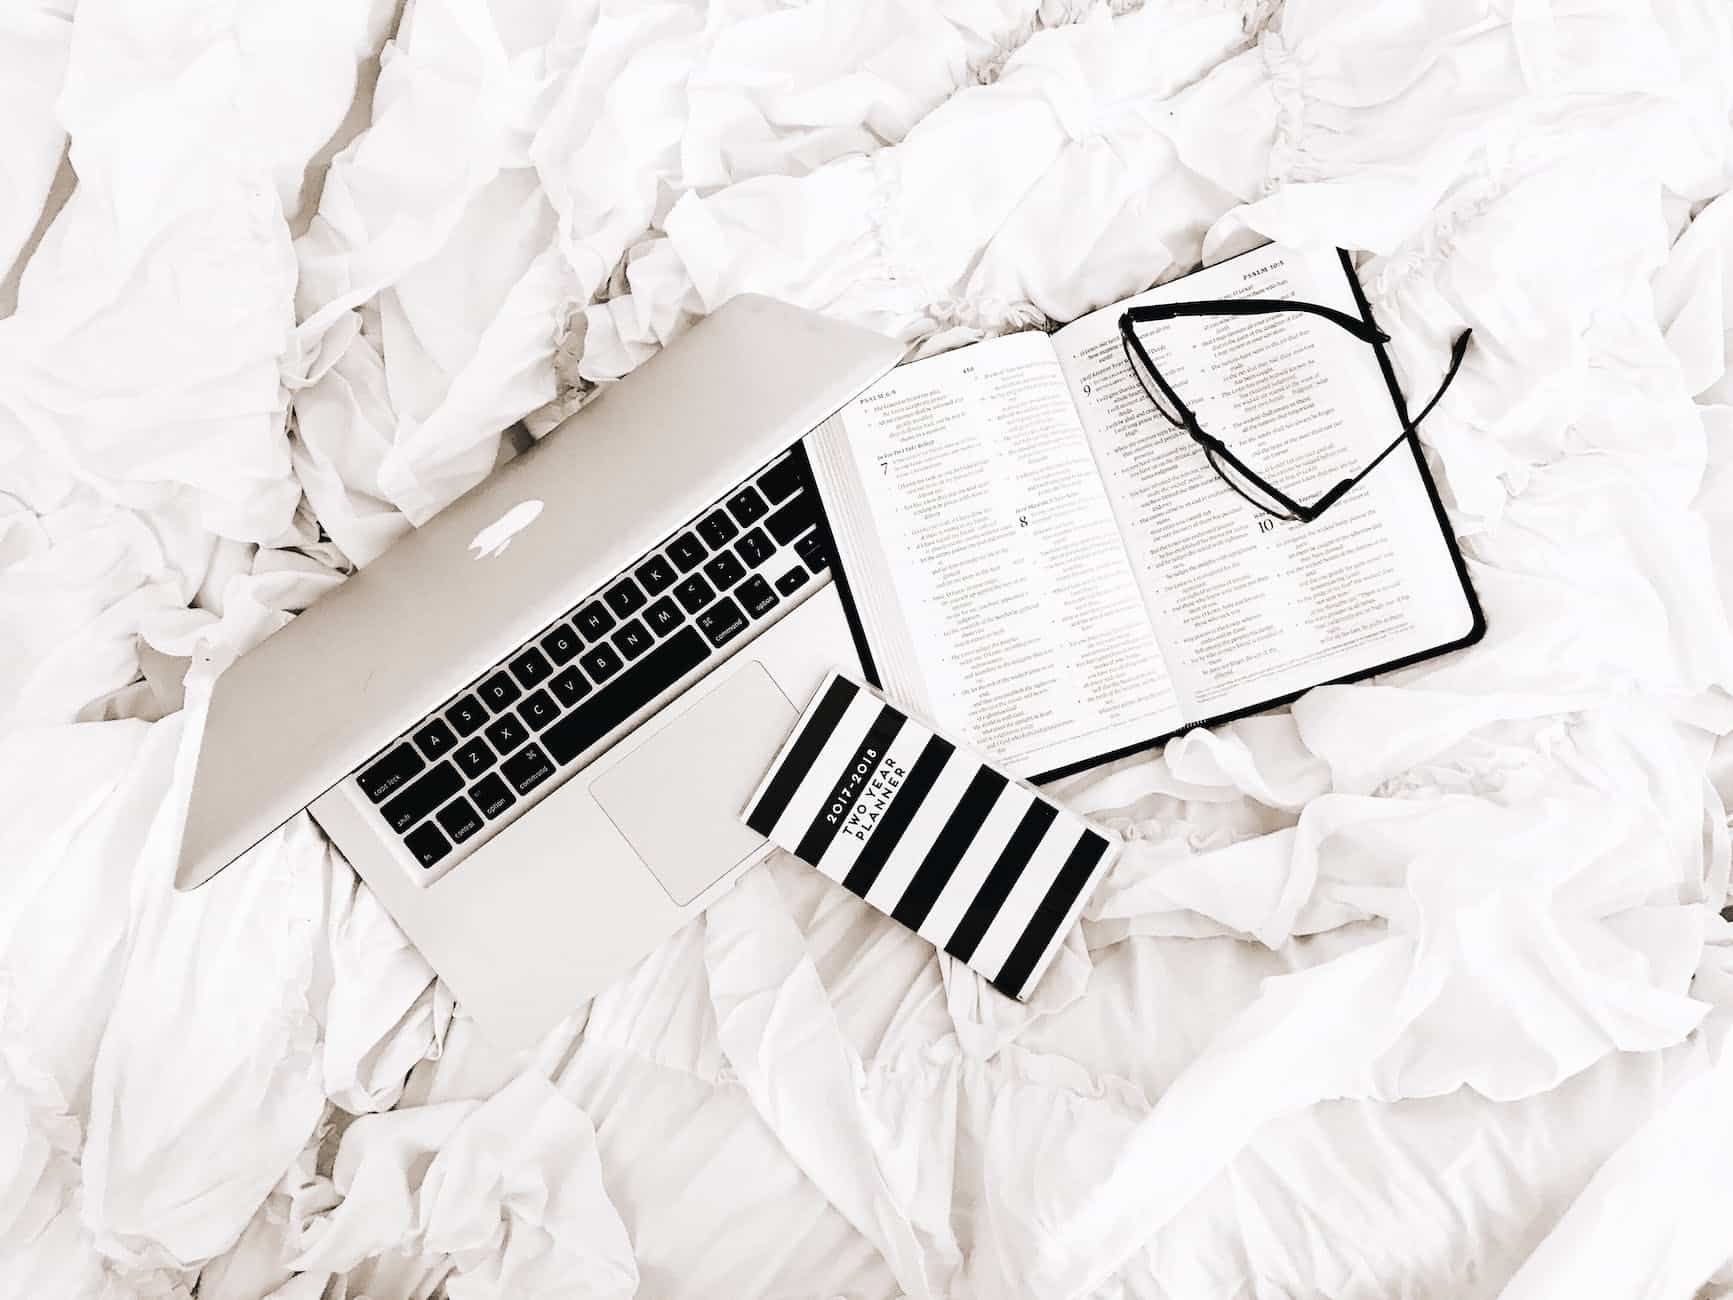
(1360, 329)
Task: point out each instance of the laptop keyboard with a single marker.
(530, 717)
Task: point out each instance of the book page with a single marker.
(1251, 608)
(985, 562)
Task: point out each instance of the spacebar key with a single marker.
(626, 694)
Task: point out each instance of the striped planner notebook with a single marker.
(983, 866)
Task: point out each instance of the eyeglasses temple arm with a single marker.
(1254, 307)
(1335, 494)
(1458, 350)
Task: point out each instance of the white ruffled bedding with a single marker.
(1417, 989)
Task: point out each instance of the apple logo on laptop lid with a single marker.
(493, 539)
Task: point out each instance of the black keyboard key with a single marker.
(631, 640)
(530, 667)
(754, 548)
(390, 772)
(537, 710)
(792, 581)
(499, 691)
(570, 687)
(813, 549)
(686, 551)
(722, 622)
(756, 596)
(460, 819)
(637, 686)
(724, 570)
(428, 845)
(421, 797)
(746, 505)
(717, 529)
(624, 598)
(466, 715)
(782, 480)
(492, 795)
(793, 519)
(506, 733)
(694, 594)
(664, 616)
(434, 739)
(655, 574)
(527, 768)
(593, 620)
(601, 663)
(562, 644)
(474, 758)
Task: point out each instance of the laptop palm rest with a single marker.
(677, 798)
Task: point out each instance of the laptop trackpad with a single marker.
(679, 796)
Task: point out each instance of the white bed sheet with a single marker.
(1415, 989)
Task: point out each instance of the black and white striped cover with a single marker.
(982, 866)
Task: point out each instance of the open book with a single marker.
(1039, 563)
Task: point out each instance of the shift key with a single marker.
(527, 768)
(422, 797)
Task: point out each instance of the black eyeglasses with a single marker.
(1242, 478)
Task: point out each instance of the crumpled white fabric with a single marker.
(1520, 945)
(510, 1188)
(1652, 1222)
(778, 1032)
(34, 39)
(1485, 883)
(1067, 138)
(109, 375)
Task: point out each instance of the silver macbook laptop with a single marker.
(532, 724)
